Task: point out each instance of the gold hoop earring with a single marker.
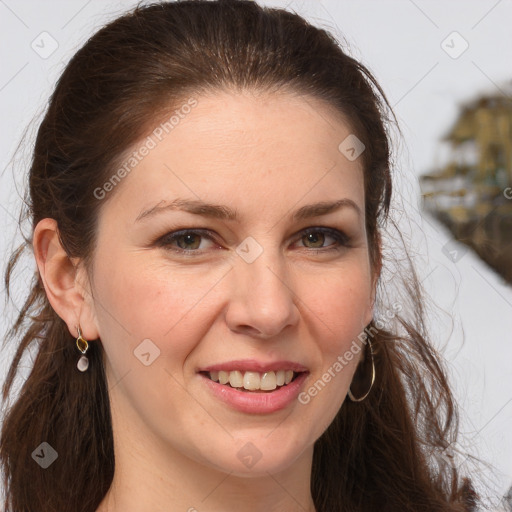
(350, 395)
(83, 346)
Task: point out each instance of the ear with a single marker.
(65, 282)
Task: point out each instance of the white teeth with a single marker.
(268, 381)
(253, 381)
(236, 379)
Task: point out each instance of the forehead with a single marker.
(239, 147)
(250, 121)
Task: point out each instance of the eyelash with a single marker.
(342, 240)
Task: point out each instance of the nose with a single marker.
(262, 302)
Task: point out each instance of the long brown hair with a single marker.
(385, 453)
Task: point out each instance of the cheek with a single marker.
(141, 300)
(340, 305)
(338, 313)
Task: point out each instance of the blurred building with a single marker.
(472, 194)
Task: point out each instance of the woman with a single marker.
(208, 192)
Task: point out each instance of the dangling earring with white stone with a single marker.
(81, 343)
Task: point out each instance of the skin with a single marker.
(176, 445)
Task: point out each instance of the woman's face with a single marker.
(280, 286)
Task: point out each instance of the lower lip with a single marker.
(257, 402)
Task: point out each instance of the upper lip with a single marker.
(252, 365)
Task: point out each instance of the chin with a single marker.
(258, 458)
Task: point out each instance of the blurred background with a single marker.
(446, 68)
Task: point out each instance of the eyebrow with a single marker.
(224, 212)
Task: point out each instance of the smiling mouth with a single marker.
(262, 382)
